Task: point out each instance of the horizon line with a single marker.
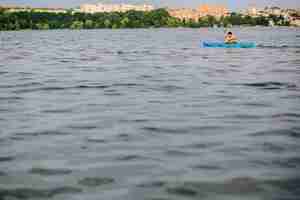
(156, 7)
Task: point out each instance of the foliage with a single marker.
(129, 19)
(42, 26)
(77, 25)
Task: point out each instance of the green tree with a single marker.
(263, 21)
(89, 24)
(107, 23)
(173, 22)
(125, 22)
(211, 20)
(115, 26)
(42, 26)
(129, 19)
(77, 25)
(203, 22)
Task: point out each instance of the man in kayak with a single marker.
(230, 38)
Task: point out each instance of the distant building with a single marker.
(287, 15)
(96, 8)
(213, 10)
(185, 14)
(267, 11)
(275, 11)
(253, 11)
(8, 8)
(295, 21)
(201, 11)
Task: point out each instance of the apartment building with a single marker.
(201, 11)
(184, 14)
(94, 8)
(213, 10)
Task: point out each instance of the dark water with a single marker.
(147, 114)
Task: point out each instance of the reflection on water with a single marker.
(148, 114)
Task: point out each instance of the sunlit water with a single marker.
(149, 114)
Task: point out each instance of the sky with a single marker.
(231, 4)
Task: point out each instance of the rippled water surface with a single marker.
(148, 114)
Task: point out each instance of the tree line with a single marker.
(114, 20)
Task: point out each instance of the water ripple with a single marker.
(130, 158)
(153, 129)
(42, 133)
(293, 162)
(270, 85)
(50, 172)
(6, 158)
(283, 46)
(95, 181)
(3, 173)
(148, 114)
(295, 133)
(28, 193)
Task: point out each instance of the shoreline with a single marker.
(156, 28)
(159, 18)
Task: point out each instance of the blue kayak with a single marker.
(225, 45)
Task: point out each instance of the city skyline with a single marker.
(158, 3)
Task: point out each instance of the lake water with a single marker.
(149, 115)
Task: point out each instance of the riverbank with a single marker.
(159, 18)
